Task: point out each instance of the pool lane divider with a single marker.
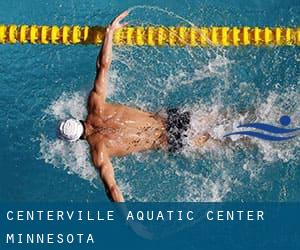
(152, 35)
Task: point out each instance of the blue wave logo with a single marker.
(279, 133)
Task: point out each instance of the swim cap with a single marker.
(70, 129)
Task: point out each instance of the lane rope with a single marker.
(152, 35)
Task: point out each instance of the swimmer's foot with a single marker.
(200, 140)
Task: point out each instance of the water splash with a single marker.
(215, 85)
(192, 185)
(74, 158)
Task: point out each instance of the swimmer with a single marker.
(114, 130)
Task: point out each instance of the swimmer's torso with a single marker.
(124, 130)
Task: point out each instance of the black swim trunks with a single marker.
(177, 125)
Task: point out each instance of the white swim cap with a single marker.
(70, 130)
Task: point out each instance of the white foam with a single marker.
(271, 110)
(214, 118)
(68, 105)
(72, 157)
(174, 182)
(216, 121)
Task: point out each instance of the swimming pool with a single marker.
(42, 84)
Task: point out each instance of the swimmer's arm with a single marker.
(105, 56)
(103, 164)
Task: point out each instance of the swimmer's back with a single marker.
(126, 130)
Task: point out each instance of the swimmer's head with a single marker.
(70, 129)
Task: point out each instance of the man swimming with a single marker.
(117, 130)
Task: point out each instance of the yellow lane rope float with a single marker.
(152, 36)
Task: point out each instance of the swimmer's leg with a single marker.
(200, 140)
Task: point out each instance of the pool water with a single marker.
(43, 84)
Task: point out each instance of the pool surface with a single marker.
(42, 84)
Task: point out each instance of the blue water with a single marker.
(42, 84)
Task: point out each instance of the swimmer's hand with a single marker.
(115, 24)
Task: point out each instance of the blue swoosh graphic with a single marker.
(269, 128)
(261, 136)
